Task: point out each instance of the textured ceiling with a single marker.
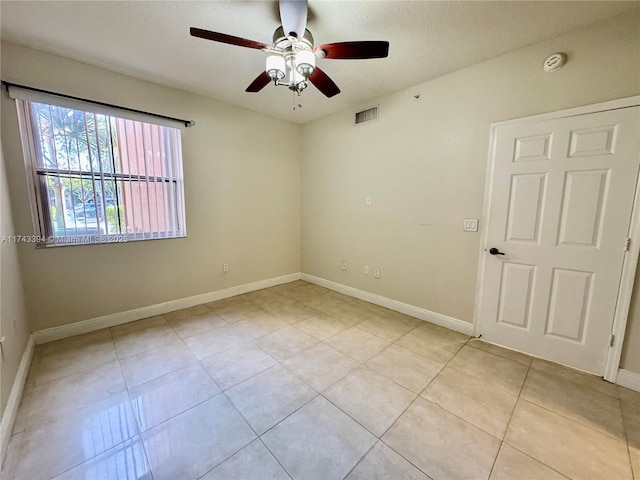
(150, 40)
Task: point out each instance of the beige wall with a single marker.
(13, 316)
(242, 179)
(424, 161)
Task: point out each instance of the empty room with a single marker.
(323, 239)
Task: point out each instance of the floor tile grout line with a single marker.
(292, 413)
(195, 360)
(86, 460)
(410, 351)
(140, 430)
(575, 382)
(471, 339)
(298, 352)
(533, 458)
(138, 434)
(406, 459)
(624, 426)
(274, 456)
(257, 437)
(560, 415)
(357, 421)
(306, 382)
(357, 359)
(378, 438)
(419, 395)
(250, 378)
(360, 364)
(533, 402)
(364, 365)
(362, 458)
(280, 362)
(608, 435)
(503, 389)
(515, 405)
(83, 370)
(139, 427)
(127, 387)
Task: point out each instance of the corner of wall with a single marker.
(17, 343)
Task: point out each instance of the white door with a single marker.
(560, 208)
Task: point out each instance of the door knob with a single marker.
(495, 251)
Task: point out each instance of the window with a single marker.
(100, 178)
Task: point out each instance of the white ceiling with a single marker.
(150, 40)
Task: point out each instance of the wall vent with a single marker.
(368, 115)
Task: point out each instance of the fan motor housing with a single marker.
(279, 36)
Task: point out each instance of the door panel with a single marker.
(570, 303)
(560, 207)
(583, 207)
(527, 193)
(516, 292)
(532, 148)
(592, 141)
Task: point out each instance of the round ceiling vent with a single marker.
(554, 62)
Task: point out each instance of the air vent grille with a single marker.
(368, 115)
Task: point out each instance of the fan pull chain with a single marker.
(293, 100)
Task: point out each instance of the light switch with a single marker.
(470, 224)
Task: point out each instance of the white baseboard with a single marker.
(11, 410)
(421, 313)
(93, 324)
(629, 379)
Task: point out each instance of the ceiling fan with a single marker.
(293, 53)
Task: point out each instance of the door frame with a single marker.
(630, 262)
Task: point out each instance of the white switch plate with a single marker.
(366, 269)
(367, 201)
(376, 273)
(470, 225)
(344, 265)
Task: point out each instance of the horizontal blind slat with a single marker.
(95, 178)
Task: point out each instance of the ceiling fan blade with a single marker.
(293, 14)
(224, 38)
(323, 83)
(259, 83)
(354, 50)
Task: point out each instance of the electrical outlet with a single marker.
(225, 267)
(367, 201)
(376, 273)
(366, 269)
(344, 265)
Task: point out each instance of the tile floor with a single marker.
(297, 381)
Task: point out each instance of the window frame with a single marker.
(45, 236)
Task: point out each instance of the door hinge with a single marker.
(627, 244)
(612, 339)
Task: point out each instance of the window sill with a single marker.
(86, 240)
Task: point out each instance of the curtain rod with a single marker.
(187, 123)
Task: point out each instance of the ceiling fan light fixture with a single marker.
(305, 62)
(291, 58)
(276, 67)
(298, 81)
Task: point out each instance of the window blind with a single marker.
(98, 176)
